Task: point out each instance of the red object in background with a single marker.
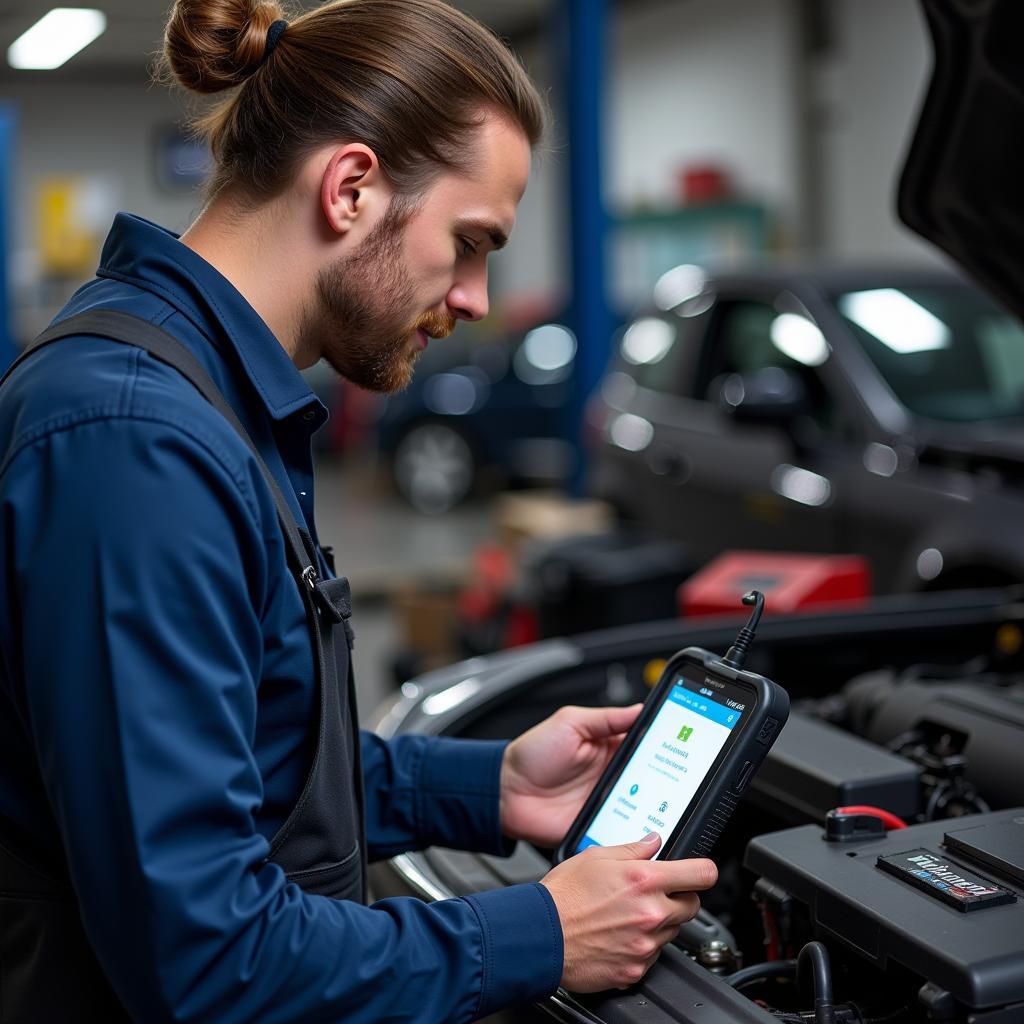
(488, 605)
(492, 576)
(705, 183)
(789, 582)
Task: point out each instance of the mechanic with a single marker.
(186, 806)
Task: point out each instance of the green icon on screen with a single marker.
(685, 733)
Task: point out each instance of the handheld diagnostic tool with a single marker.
(703, 732)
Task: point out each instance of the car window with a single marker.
(656, 350)
(947, 351)
(744, 339)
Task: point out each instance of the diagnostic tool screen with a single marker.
(669, 764)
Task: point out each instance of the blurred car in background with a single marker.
(787, 408)
(477, 406)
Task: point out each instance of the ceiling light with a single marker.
(56, 38)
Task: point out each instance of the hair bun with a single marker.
(211, 45)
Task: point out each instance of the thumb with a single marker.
(643, 849)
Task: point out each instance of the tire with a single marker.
(434, 467)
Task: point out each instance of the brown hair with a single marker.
(411, 79)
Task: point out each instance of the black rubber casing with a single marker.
(701, 824)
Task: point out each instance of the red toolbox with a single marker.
(789, 582)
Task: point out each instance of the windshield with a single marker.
(947, 351)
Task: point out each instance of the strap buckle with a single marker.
(333, 597)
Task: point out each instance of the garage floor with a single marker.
(379, 542)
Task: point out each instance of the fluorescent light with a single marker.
(896, 320)
(56, 38)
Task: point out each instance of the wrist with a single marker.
(505, 785)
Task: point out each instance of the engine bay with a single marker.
(874, 873)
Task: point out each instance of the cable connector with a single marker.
(737, 654)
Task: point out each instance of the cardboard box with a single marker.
(547, 515)
(426, 613)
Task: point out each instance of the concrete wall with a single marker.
(688, 81)
(870, 87)
(703, 81)
(103, 130)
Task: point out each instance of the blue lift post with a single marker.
(7, 126)
(583, 47)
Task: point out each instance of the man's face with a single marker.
(421, 268)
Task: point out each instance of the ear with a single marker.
(349, 185)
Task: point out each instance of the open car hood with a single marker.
(962, 187)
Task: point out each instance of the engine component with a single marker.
(943, 899)
(960, 732)
(815, 767)
(717, 956)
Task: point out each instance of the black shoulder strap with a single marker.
(132, 330)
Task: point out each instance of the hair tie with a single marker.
(274, 34)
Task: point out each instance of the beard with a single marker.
(362, 326)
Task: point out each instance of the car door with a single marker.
(759, 485)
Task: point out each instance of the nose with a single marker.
(467, 299)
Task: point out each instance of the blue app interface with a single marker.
(667, 767)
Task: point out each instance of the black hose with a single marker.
(761, 972)
(813, 959)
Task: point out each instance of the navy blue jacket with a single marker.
(157, 687)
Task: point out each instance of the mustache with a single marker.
(437, 325)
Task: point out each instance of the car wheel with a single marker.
(434, 467)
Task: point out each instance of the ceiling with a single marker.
(135, 28)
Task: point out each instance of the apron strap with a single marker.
(139, 333)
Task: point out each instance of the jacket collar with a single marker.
(150, 257)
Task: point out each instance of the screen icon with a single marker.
(663, 807)
(685, 733)
(633, 789)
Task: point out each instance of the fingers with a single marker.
(685, 906)
(643, 849)
(600, 723)
(636, 972)
(694, 874)
(618, 909)
(690, 875)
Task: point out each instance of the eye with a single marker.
(468, 246)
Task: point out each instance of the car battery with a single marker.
(617, 578)
(790, 582)
(942, 899)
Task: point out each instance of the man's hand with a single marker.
(548, 772)
(617, 910)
